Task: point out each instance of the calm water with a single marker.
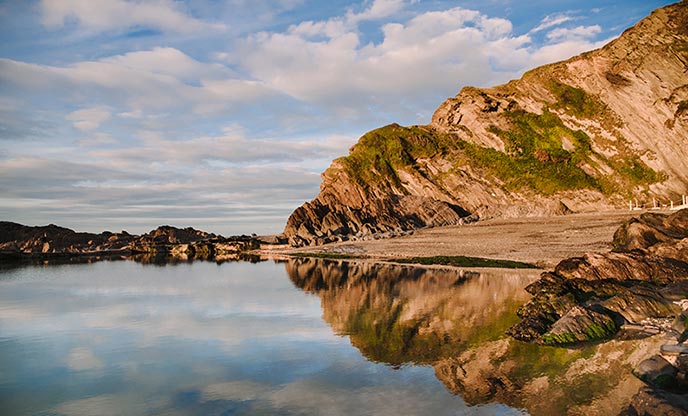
(304, 337)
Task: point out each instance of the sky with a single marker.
(221, 114)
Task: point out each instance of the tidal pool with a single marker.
(299, 337)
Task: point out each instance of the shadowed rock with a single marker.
(651, 401)
(656, 371)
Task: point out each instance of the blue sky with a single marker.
(221, 114)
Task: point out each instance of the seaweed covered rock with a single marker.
(578, 325)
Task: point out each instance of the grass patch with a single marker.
(328, 256)
(379, 153)
(576, 101)
(682, 107)
(541, 153)
(634, 172)
(463, 261)
(535, 157)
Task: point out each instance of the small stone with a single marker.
(656, 371)
(674, 349)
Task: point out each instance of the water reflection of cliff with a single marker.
(396, 314)
(455, 322)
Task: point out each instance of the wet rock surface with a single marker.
(652, 401)
(657, 371)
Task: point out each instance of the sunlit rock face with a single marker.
(590, 133)
(455, 321)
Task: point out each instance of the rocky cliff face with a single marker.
(589, 133)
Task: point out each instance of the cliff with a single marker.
(589, 133)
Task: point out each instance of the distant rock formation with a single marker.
(19, 242)
(588, 133)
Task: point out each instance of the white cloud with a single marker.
(168, 61)
(329, 28)
(326, 62)
(230, 148)
(378, 10)
(576, 33)
(121, 14)
(97, 139)
(562, 50)
(228, 184)
(101, 194)
(339, 26)
(552, 21)
(88, 119)
(161, 78)
(435, 51)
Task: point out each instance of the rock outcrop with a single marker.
(592, 297)
(589, 133)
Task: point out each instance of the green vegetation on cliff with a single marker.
(576, 101)
(380, 152)
(541, 153)
(535, 157)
